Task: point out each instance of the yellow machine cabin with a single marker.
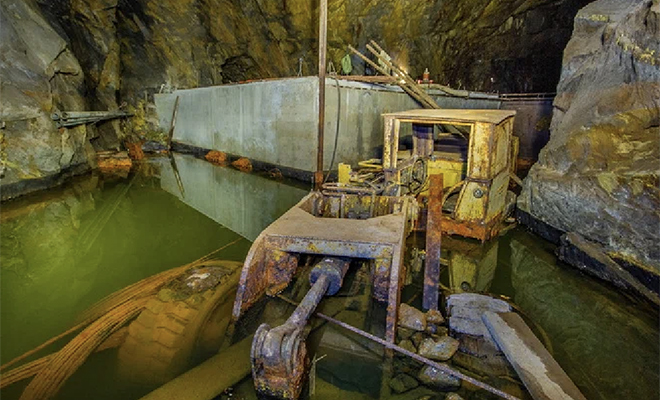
(474, 150)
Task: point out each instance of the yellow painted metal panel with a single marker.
(479, 151)
(344, 174)
(388, 143)
(501, 147)
(471, 207)
(497, 195)
(452, 170)
(515, 148)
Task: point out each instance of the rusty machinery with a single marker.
(476, 200)
(367, 215)
(337, 227)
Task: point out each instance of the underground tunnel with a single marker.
(330, 199)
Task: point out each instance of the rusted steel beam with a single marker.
(279, 355)
(433, 241)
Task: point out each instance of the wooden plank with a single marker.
(541, 374)
(211, 378)
(369, 78)
(382, 71)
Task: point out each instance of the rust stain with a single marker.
(433, 241)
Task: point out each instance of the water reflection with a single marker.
(471, 265)
(607, 344)
(245, 203)
(65, 249)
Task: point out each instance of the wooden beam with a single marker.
(376, 50)
(541, 374)
(382, 71)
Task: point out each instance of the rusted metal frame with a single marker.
(433, 242)
(380, 276)
(279, 355)
(397, 276)
(251, 285)
(390, 153)
(280, 268)
(323, 31)
(329, 247)
(390, 345)
(471, 229)
(387, 138)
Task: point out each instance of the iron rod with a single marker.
(412, 355)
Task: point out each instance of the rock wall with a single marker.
(38, 75)
(100, 54)
(136, 47)
(599, 174)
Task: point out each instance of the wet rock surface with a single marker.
(403, 383)
(438, 379)
(408, 345)
(39, 75)
(441, 349)
(411, 318)
(598, 175)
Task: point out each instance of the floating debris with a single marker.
(114, 163)
(243, 164)
(216, 157)
(134, 150)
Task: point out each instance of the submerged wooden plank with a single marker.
(209, 379)
(541, 374)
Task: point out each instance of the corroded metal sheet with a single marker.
(320, 225)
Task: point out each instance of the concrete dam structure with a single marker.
(274, 121)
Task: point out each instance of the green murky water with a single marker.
(63, 250)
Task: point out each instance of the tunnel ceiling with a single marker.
(133, 46)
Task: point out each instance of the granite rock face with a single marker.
(38, 75)
(598, 175)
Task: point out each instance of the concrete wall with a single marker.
(275, 121)
(532, 124)
(244, 203)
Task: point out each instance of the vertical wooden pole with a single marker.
(323, 30)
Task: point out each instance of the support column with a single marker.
(323, 30)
